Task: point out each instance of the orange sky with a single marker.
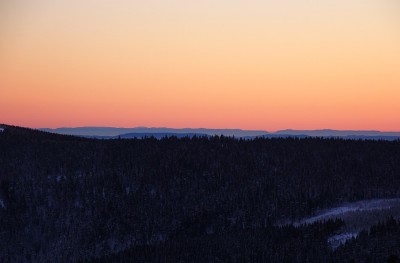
(212, 63)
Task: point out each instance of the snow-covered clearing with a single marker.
(361, 206)
(357, 216)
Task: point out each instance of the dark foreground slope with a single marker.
(69, 199)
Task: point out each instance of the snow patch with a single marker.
(340, 239)
(2, 204)
(1, 129)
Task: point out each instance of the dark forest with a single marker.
(200, 199)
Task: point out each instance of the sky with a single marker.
(254, 64)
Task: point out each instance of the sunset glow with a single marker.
(212, 63)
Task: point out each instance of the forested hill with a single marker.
(198, 199)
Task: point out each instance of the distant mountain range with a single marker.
(144, 131)
(338, 133)
(140, 132)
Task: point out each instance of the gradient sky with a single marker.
(254, 64)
